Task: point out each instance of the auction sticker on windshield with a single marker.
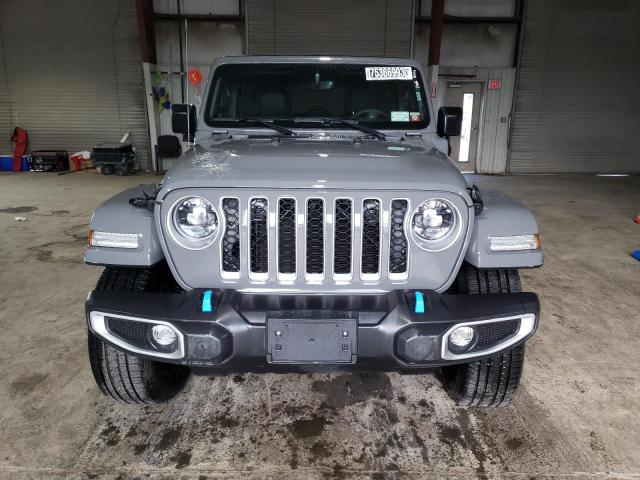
(388, 73)
(399, 116)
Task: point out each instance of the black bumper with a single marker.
(381, 332)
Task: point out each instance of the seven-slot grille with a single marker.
(353, 242)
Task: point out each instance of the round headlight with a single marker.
(433, 220)
(195, 217)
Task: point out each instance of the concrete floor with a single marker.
(577, 412)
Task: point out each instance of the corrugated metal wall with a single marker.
(577, 102)
(74, 73)
(6, 128)
(330, 27)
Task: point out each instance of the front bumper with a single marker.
(244, 332)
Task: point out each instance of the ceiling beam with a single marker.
(472, 20)
(198, 18)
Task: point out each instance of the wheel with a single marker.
(124, 377)
(493, 381)
(106, 169)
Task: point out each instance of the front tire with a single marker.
(124, 377)
(493, 381)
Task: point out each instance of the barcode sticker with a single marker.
(388, 73)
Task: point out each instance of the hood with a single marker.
(315, 164)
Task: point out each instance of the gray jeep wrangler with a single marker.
(316, 223)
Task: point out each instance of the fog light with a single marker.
(163, 335)
(462, 336)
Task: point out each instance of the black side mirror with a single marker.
(183, 118)
(449, 121)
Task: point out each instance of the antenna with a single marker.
(186, 80)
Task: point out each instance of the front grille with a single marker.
(287, 236)
(371, 236)
(259, 236)
(132, 332)
(298, 239)
(342, 237)
(315, 236)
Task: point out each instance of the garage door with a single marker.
(72, 73)
(577, 102)
(6, 124)
(330, 27)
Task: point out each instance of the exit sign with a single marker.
(495, 84)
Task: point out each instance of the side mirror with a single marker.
(449, 121)
(183, 118)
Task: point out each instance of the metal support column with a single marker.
(435, 42)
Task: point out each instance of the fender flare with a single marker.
(501, 216)
(118, 216)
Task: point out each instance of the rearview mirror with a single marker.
(449, 121)
(183, 118)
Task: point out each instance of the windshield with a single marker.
(301, 95)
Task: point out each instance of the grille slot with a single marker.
(259, 238)
(231, 239)
(398, 241)
(342, 237)
(370, 237)
(315, 236)
(287, 236)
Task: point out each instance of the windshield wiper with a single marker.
(356, 126)
(273, 126)
(343, 121)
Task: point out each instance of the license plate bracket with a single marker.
(311, 341)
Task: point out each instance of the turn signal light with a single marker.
(112, 239)
(514, 243)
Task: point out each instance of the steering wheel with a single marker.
(370, 114)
